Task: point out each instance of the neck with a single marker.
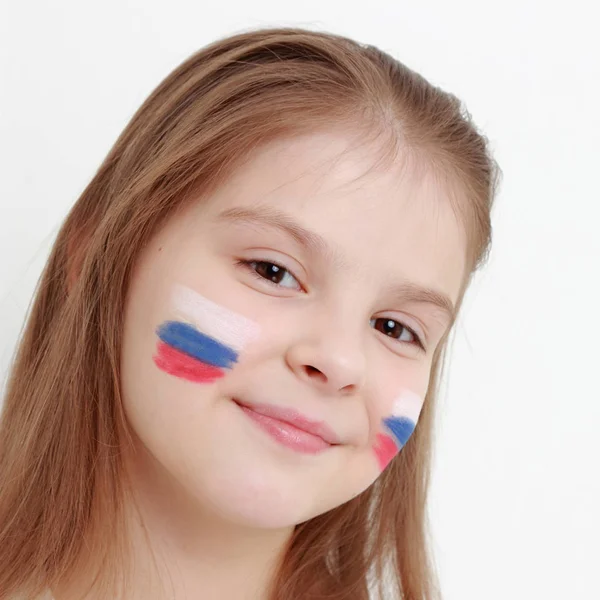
(182, 549)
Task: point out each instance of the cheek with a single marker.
(185, 352)
(397, 427)
(205, 339)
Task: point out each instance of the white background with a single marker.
(516, 491)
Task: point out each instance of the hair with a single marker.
(62, 477)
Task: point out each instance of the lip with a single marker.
(291, 428)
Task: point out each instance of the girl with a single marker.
(241, 322)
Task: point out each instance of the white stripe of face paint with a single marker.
(408, 404)
(224, 325)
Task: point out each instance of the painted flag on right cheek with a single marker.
(204, 341)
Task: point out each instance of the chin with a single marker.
(255, 501)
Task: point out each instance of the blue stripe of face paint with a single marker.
(186, 338)
(401, 428)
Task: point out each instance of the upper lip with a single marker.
(293, 417)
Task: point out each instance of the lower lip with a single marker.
(288, 435)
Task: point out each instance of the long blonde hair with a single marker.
(62, 422)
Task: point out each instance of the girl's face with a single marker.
(295, 287)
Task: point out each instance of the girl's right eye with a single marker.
(271, 272)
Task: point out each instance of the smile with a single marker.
(289, 428)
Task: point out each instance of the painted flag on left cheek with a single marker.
(204, 340)
(397, 427)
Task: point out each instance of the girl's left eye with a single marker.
(394, 329)
(271, 272)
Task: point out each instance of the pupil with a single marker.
(391, 327)
(271, 272)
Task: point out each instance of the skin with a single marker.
(218, 496)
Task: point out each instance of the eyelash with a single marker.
(247, 264)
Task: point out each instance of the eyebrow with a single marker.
(270, 217)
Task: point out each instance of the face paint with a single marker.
(203, 340)
(398, 427)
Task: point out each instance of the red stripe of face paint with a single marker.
(385, 450)
(183, 365)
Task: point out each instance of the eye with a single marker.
(394, 329)
(271, 272)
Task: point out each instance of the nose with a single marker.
(330, 357)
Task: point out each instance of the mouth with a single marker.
(290, 428)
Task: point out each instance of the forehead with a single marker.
(390, 222)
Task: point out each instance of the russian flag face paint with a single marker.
(203, 340)
(398, 427)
